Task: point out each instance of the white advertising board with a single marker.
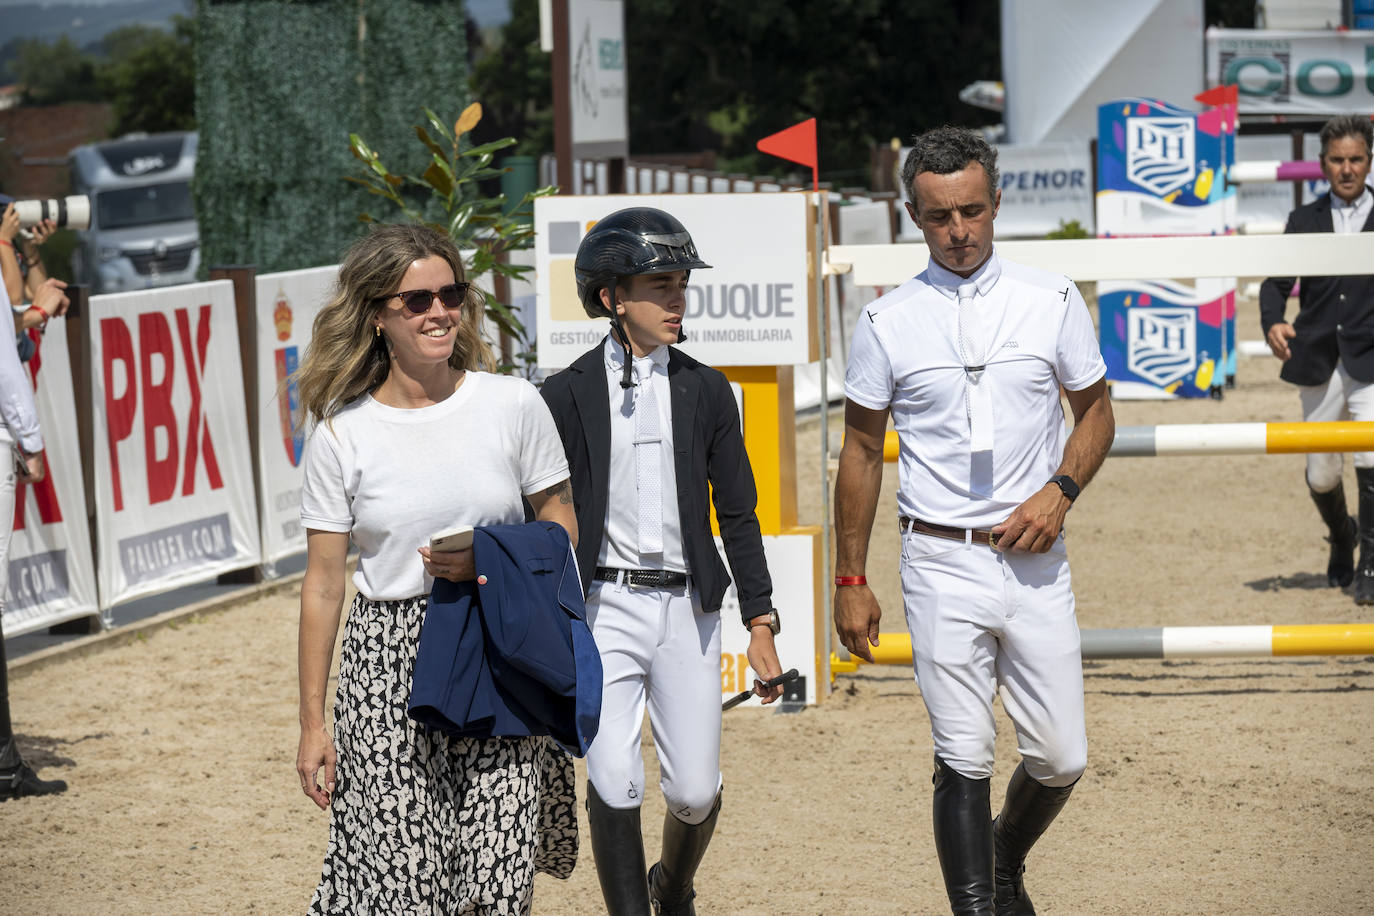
(792, 563)
(750, 309)
(52, 576)
(173, 476)
(1042, 185)
(596, 54)
(287, 304)
(1320, 73)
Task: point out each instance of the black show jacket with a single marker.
(707, 448)
(1335, 318)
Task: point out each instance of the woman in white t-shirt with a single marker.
(412, 437)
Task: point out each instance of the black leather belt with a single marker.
(653, 578)
(977, 535)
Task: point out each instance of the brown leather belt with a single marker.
(979, 535)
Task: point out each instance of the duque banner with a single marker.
(51, 574)
(751, 309)
(173, 476)
(1321, 73)
(287, 305)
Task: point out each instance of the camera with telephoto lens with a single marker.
(67, 212)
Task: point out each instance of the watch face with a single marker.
(1067, 484)
(774, 624)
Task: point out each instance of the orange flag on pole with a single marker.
(795, 144)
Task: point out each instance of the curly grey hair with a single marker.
(945, 150)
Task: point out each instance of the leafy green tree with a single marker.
(728, 74)
(150, 77)
(55, 73)
(513, 80)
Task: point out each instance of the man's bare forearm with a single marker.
(857, 485)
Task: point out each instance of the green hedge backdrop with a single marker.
(279, 87)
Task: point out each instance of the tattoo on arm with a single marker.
(562, 490)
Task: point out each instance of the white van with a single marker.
(143, 227)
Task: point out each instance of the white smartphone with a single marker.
(459, 538)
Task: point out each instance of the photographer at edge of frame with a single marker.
(20, 433)
(25, 278)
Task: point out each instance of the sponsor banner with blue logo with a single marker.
(1161, 170)
(1164, 338)
(287, 304)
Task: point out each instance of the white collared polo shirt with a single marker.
(905, 356)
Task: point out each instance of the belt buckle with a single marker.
(993, 539)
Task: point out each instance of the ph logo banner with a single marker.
(1161, 170)
(1161, 343)
(174, 497)
(288, 303)
(1160, 153)
(1164, 339)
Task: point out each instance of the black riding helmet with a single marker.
(627, 243)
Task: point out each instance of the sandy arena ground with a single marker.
(1215, 786)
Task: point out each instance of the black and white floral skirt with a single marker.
(422, 823)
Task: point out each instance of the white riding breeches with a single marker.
(1341, 398)
(658, 648)
(984, 622)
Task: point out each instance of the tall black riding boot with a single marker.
(1364, 573)
(1343, 533)
(17, 778)
(963, 840)
(670, 880)
(1029, 809)
(618, 849)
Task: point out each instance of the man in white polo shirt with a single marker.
(969, 358)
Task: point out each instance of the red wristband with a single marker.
(7, 243)
(851, 580)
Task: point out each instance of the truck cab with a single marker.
(143, 230)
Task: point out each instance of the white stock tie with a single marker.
(648, 460)
(973, 351)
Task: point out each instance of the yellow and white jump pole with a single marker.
(1176, 642)
(1225, 439)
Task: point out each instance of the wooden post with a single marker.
(244, 279)
(562, 98)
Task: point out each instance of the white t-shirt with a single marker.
(392, 477)
(905, 355)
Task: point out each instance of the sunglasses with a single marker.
(418, 300)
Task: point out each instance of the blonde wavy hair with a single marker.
(346, 357)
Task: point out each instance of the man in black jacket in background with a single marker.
(1328, 349)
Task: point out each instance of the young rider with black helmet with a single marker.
(644, 454)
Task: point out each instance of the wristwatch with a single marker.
(769, 620)
(1066, 483)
